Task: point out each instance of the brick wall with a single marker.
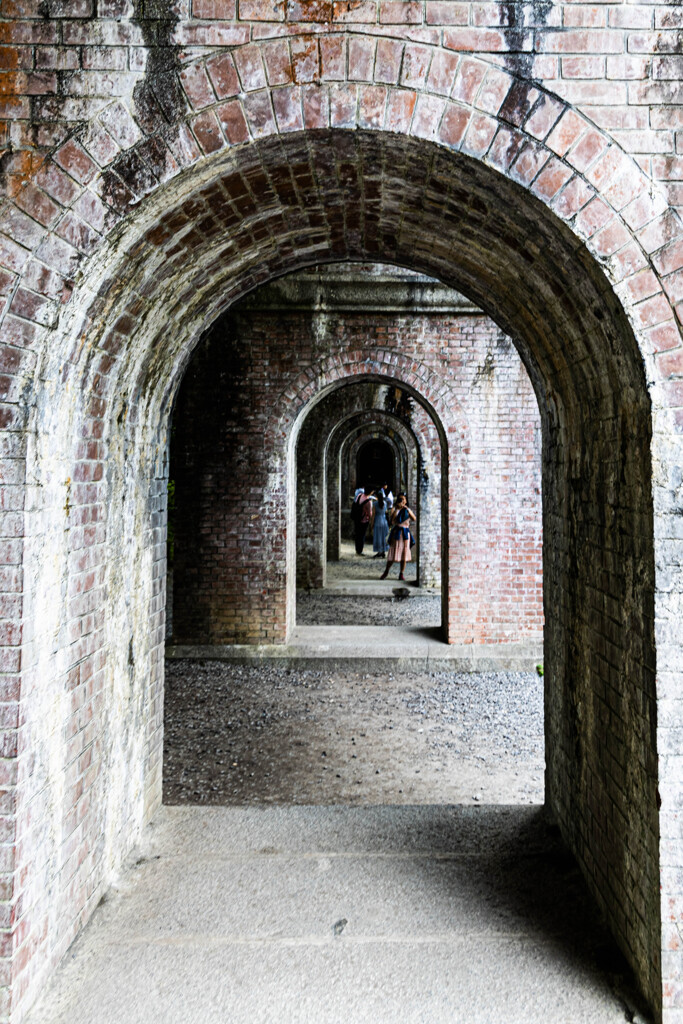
(161, 163)
(230, 566)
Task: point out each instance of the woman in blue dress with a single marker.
(400, 538)
(380, 530)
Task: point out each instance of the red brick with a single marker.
(218, 10)
(38, 205)
(551, 179)
(670, 364)
(493, 92)
(446, 12)
(478, 40)
(309, 10)
(591, 146)
(572, 198)
(288, 110)
(592, 217)
(261, 10)
(197, 86)
(371, 106)
(207, 132)
(583, 42)
(583, 67)
(305, 59)
(400, 109)
(664, 337)
(76, 162)
(567, 132)
(250, 68)
(388, 61)
(657, 233)
(223, 75)
(505, 148)
(529, 163)
(583, 16)
(653, 311)
(480, 134)
(343, 104)
(669, 259)
(428, 114)
(316, 107)
(259, 114)
(468, 81)
(543, 117)
(333, 58)
(359, 12)
(454, 125)
(278, 62)
(361, 58)
(416, 61)
(673, 287)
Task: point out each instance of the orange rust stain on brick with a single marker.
(12, 84)
(314, 10)
(302, 60)
(9, 58)
(19, 167)
(344, 7)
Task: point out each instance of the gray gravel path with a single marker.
(320, 608)
(242, 734)
(363, 567)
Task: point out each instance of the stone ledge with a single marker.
(348, 287)
(353, 648)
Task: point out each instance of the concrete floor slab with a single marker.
(310, 915)
(354, 648)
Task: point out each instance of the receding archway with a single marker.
(291, 201)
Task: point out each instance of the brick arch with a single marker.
(375, 422)
(357, 434)
(255, 210)
(274, 88)
(319, 499)
(385, 366)
(434, 397)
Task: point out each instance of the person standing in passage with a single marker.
(361, 515)
(400, 538)
(380, 530)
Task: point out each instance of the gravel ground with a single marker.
(321, 608)
(364, 567)
(239, 734)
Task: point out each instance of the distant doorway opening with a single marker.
(375, 464)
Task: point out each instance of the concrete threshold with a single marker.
(358, 648)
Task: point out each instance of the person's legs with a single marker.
(403, 565)
(386, 571)
(360, 531)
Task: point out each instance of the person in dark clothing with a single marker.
(361, 515)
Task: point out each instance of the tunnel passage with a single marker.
(374, 463)
(334, 431)
(292, 201)
(219, 467)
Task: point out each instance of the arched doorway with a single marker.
(463, 222)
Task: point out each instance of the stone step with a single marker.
(356, 648)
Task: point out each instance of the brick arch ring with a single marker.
(276, 87)
(433, 392)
